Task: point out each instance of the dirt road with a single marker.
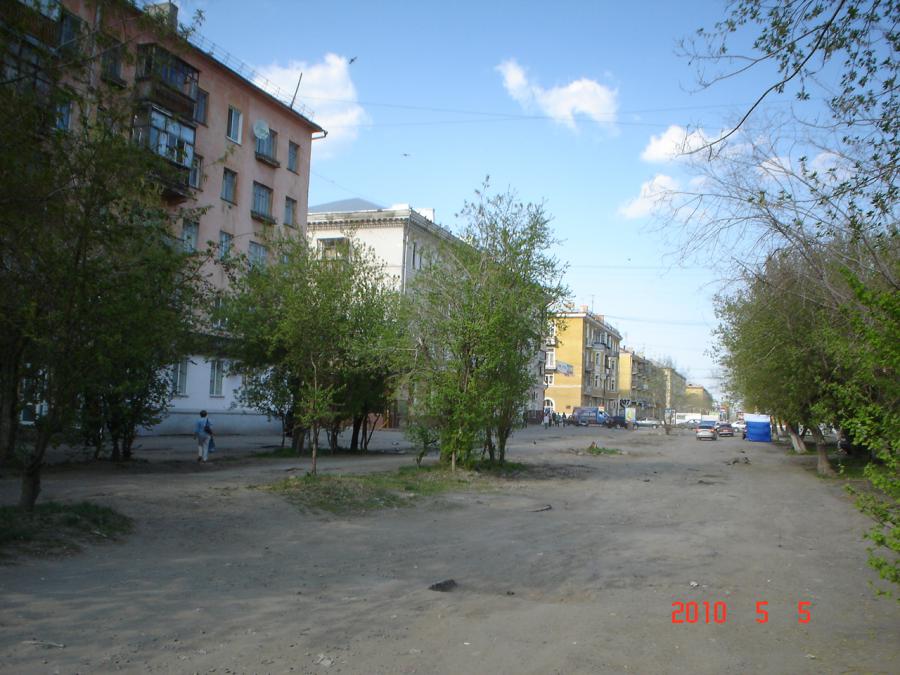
(222, 578)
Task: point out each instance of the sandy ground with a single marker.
(219, 577)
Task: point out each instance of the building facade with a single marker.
(581, 367)
(641, 385)
(698, 399)
(675, 384)
(242, 151)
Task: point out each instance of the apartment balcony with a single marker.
(175, 184)
(165, 79)
(28, 21)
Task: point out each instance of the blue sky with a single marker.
(559, 101)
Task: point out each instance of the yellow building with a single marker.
(581, 366)
(698, 399)
(642, 384)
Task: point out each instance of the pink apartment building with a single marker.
(244, 152)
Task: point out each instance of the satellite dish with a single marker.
(261, 129)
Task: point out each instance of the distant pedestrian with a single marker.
(564, 419)
(556, 418)
(546, 420)
(203, 432)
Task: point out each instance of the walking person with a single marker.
(203, 432)
(546, 420)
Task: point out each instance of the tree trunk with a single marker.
(796, 439)
(489, 446)
(127, 442)
(502, 437)
(453, 461)
(823, 466)
(9, 404)
(354, 439)
(116, 449)
(333, 436)
(314, 446)
(31, 474)
(369, 429)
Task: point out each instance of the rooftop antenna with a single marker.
(296, 89)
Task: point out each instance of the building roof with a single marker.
(345, 206)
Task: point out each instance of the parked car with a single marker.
(725, 429)
(617, 421)
(649, 423)
(738, 426)
(707, 430)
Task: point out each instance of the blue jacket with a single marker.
(200, 427)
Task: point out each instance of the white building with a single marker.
(401, 237)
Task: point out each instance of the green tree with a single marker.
(83, 227)
(818, 188)
(481, 309)
(313, 333)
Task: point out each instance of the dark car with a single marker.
(617, 422)
(726, 429)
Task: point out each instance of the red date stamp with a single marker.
(717, 612)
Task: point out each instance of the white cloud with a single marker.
(672, 143)
(328, 90)
(579, 97)
(653, 193)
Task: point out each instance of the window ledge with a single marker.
(117, 80)
(228, 201)
(262, 217)
(265, 159)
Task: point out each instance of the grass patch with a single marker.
(851, 466)
(287, 452)
(595, 449)
(54, 528)
(355, 494)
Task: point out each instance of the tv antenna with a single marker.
(296, 89)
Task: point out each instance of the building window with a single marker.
(225, 240)
(266, 147)
(229, 186)
(179, 378)
(293, 156)
(111, 62)
(235, 119)
(196, 175)
(70, 27)
(257, 254)
(216, 376)
(200, 106)
(290, 212)
(165, 136)
(190, 233)
(337, 248)
(262, 202)
(548, 380)
(551, 358)
(64, 116)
